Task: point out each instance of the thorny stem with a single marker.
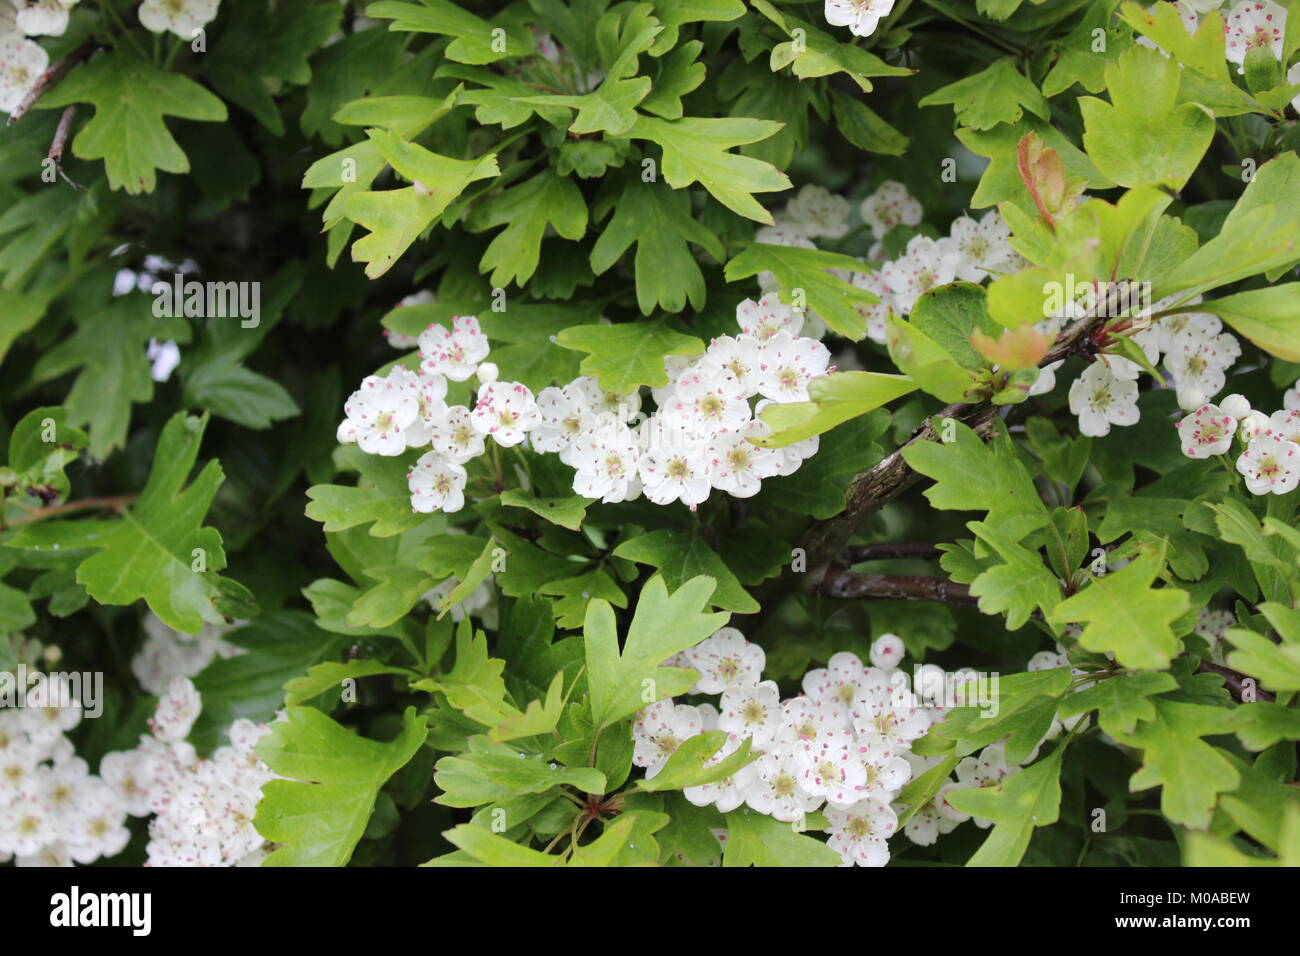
(116, 502)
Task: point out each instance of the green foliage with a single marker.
(515, 682)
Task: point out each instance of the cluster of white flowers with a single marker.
(1270, 444)
(166, 654)
(1248, 25)
(860, 16)
(203, 809)
(57, 812)
(54, 812)
(1197, 354)
(52, 809)
(696, 440)
(972, 251)
(986, 768)
(841, 744)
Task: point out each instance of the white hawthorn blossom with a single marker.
(43, 17)
(378, 414)
(889, 206)
(1253, 24)
(181, 17)
(22, 62)
(1207, 431)
(456, 352)
(815, 212)
(506, 411)
(436, 484)
(1102, 399)
(1270, 465)
(927, 264)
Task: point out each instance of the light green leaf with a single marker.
(627, 355)
(320, 813)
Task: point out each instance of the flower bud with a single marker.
(887, 651)
(1252, 424)
(1235, 405)
(1190, 399)
(487, 373)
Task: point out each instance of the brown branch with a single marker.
(898, 587)
(881, 550)
(49, 78)
(1235, 681)
(61, 135)
(891, 476)
(116, 502)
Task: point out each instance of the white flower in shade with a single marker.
(181, 17)
(43, 17)
(738, 466)
(858, 832)
(455, 352)
(860, 16)
(1122, 367)
(927, 264)
(622, 406)
(804, 719)
(675, 366)
(1291, 397)
(1212, 625)
(129, 773)
(1100, 399)
(886, 651)
(1253, 24)
(874, 315)
(725, 660)
(675, 471)
(985, 769)
(1047, 660)
(659, 729)
(752, 711)
(506, 411)
(177, 711)
(830, 766)
(1046, 380)
(788, 365)
(839, 682)
(1206, 432)
(703, 404)
(779, 236)
(565, 415)
(22, 62)
(1167, 329)
(453, 435)
(926, 825)
(766, 317)
(27, 827)
(1200, 361)
(163, 358)
(739, 357)
(889, 206)
(775, 788)
(97, 827)
(982, 246)
(436, 484)
(378, 414)
(1285, 424)
(815, 212)
(605, 466)
(1270, 465)
(729, 792)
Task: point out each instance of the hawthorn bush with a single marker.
(691, 432)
